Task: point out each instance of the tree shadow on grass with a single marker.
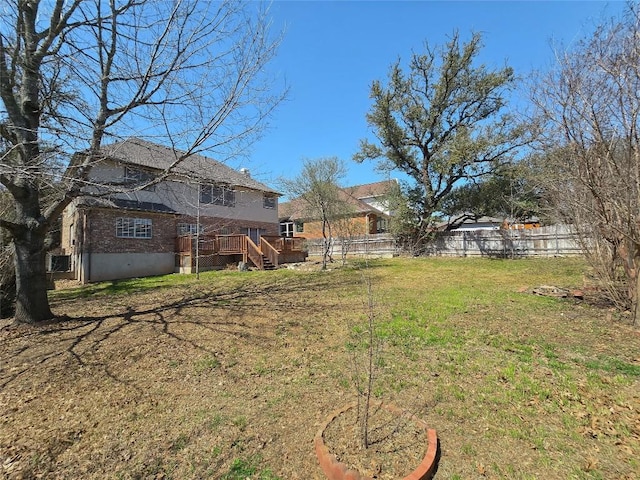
(234, 312)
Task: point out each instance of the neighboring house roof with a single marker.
(135, 151)
(471, 223)
(290, 210)
(297, 209)
(125, 204)
(369, 190)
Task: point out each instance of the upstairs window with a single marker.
(135, 176)
(269, 201)
(133, 227)
(217, 195)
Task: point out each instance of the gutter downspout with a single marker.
(86, 248)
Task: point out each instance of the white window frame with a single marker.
(134, 227)
(287, 229)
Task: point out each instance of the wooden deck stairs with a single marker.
(267, 265)
(265, 255)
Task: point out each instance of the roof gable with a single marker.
(368, 190)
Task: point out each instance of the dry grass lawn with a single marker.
(230, 376)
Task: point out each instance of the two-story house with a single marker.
(202, 213)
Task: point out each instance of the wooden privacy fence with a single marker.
(545, 242)
(377, 245)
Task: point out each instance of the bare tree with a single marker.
(317, 188)
(590, 108)
(74, 73)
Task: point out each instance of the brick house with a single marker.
(368, 206)
(135, 230)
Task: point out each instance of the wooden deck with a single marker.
(269, 253)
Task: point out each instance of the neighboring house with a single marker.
(367, 206)
(375, 194)
(527, 224)
(153, 230)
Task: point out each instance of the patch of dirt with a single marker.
(397, 444)
(64, 284)
(308, 266)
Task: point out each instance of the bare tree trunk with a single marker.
(326, 241)
(629, 254)
(635, 296)
(635, 305)
(325, 245)
(372, 356)
(32, 304)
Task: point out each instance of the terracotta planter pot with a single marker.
(336, 470)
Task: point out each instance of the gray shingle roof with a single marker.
(126, 204)
(135, 151)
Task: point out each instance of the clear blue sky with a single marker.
(332, 51)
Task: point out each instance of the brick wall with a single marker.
(358, 226)
(102, 233)
(69, 221)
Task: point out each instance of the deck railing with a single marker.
(295, 244)
(270, 246)
(269, 251)
(254, 253)
(286, 244)
(183, 244)
(230, 244)
(207, 243)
